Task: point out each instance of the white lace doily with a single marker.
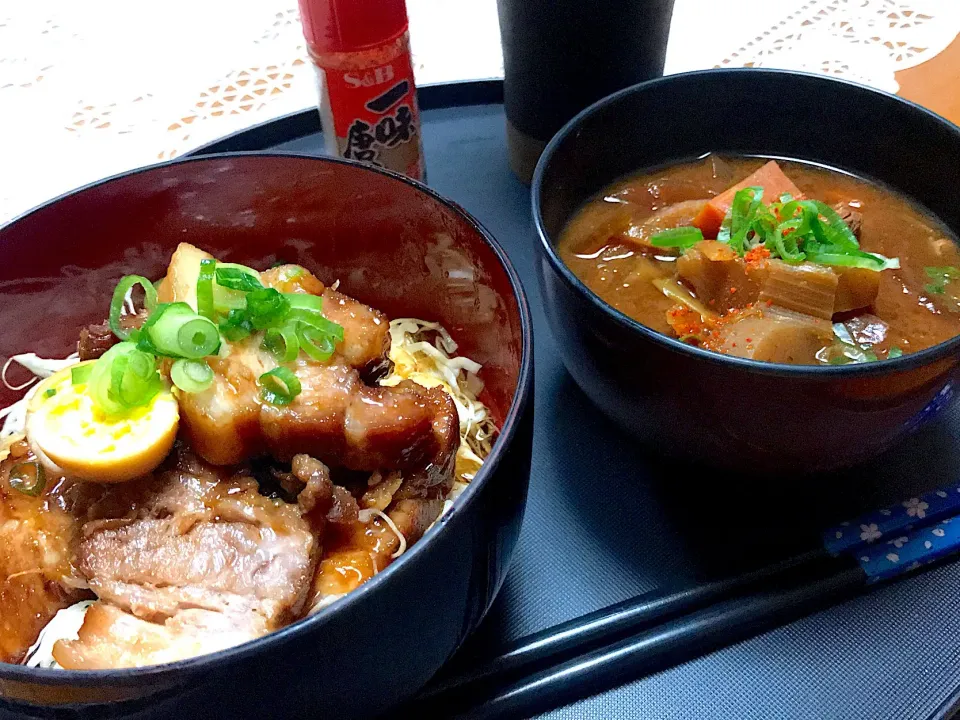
(862, 40)
(89, 89)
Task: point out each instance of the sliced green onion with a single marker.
(786, 243)
(723, 235)
(236, 326)
(124, 378)
(266, 307)
(306, 301)
(28, 478)
(327, 326)
(743, 211)
(225, 299)
(191, 376)
(858, 259)
(279, 386)
(283, 342)
(81, 375)
(120, 296)
(133, 378)
(681, 237)
(238, 277)
(798, 230)
(205, 287)
(198, 338)
(49, 393)
(175, 330)
(941, 276)
(894, 353)
(317, 343)
(838, 232)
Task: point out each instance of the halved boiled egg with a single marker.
(65, 427)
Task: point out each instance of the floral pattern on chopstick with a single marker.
(892, 521)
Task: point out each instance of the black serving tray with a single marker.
(606, 522)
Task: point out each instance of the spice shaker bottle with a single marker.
(368, 100)
(560, 56)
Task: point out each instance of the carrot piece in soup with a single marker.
(770, 177)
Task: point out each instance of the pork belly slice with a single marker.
(153, 569)
(343, 422)
(38, 538)
(190, 551)
(113, 638)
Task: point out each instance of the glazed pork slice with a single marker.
(225, 422)
(191, 540)
(154, 568)
(404, 504)
(38, 536)
(113, 638)
(343, 422)
(366, 330)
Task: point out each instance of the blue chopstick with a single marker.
(911, 550)
(892, 522)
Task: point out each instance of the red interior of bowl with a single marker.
(389, 243)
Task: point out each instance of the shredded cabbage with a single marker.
(65, 625)
(15, 416)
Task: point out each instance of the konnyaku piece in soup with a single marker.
(780, 262)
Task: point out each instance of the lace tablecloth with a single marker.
(92, 89)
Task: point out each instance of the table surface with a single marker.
(92, 89)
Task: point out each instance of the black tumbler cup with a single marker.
(562, 55)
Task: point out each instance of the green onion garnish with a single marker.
(238, 277)
(198, 338)
(120, 296)
(124, 378)
(319, 338)
(236, 326)
(681, 237)
(792, 230)
(283, 342)
(279, 386)
(191, 376)
(175, 330)
(205, 287)
(266, 307)
(855, 259)
(303, 301)
(49, 393)
(743, 213)
(28, 478)
(940, 277)
(894, 353)
(80, 375)
(232, 302)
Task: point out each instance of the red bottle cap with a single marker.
(348, 25)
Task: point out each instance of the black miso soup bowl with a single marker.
(392, 243)
(687, 402)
